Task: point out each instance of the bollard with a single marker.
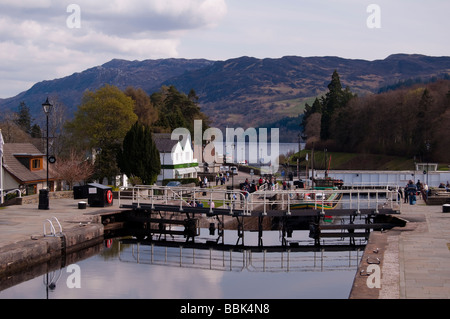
(446, 208)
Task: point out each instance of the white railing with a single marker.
(380, 185)
(286, 200)
(53, 232)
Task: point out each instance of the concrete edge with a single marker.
(28, 253)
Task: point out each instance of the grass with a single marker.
(292, 107)
(217, 203)
(352, 161)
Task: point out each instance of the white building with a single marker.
(386, 178)
(177, 158)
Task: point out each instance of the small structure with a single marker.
(24, 167)
(426, 167)
(98, 195)
(177, 158)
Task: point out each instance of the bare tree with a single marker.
(74, 168)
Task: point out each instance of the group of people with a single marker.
(222, 178)
(272, 184)
(447, 187)
(411, 191)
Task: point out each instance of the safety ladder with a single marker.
(52, 228)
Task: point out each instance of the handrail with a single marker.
(356, 199)
(52, 228)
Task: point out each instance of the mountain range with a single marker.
(241, 92)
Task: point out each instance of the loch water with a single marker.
(124, 269)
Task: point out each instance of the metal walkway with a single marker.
(373, 207)
(216, 201)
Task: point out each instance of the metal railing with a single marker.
(52, 228)
(263, 200)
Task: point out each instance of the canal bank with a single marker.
(413, 260)
(67, 229)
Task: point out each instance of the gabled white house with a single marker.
(177, 158)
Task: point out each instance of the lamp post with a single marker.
(44, 195)
(47, 107)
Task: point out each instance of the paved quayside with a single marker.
(414, 260)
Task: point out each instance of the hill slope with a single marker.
(241, 92)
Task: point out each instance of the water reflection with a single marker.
(135, 270)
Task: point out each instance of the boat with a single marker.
(318, 200)
(328, 183)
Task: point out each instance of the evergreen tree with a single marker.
(36, 131)
(177, 109)
(334, 100)
(422, 133)
(105, 165)
(24, 119)
(310, 110)
(139, 156)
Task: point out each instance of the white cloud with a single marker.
(37, 44)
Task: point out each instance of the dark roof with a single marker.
(16, 168)
(163, 142)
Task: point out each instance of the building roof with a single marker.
(164, 143)
(11, 152)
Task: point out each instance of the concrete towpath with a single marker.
(23, 222)
(414, 260)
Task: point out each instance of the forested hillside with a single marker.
(409, 122)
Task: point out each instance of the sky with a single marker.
(48, 39)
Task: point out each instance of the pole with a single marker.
(48, 187)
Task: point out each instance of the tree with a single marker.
(139, 156)
(36, 131)
(145, 110)
(193, 96)
(23, 119)
(105, 165)
(74, 168)
(334, 100)
(100, 123)
(177, 109)
(103, 118)
(310, 110)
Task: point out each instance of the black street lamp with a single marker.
(47, 107)
(44, 194)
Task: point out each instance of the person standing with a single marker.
(412, 191)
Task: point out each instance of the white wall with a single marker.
(397, 178)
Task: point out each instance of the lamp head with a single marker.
(47, 107)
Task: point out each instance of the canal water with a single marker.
(129, 270)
